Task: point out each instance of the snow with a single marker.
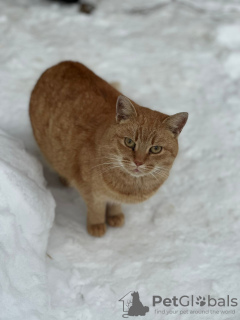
(229, 36)
(26, 216)
(171, 56)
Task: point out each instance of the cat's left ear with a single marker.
(124, 109)
(176, 122)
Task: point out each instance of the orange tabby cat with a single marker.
(105, 145)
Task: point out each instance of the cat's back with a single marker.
(68, 104)
(70, 95)
(71, 85)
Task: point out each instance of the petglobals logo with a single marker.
(132, 305)
(192, 301)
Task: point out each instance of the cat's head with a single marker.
(144, 142)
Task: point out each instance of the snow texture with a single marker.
(26, 216)
(171, 56)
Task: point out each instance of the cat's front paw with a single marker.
(116, 220)
(97, 230)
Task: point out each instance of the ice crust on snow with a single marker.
(172, 56)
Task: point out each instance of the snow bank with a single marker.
(26, 216)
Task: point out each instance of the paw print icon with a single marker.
(201, 301)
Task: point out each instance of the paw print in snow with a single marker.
(201, 301)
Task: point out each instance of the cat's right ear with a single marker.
(124, 109)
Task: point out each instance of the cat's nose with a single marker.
(138, 163)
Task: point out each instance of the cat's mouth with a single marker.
(135, 171)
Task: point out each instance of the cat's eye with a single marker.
(129, 143)
(155, 149)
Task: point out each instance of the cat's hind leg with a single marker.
(114, 215)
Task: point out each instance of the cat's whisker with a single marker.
(161, 170)
(108, 169)
(162, 174)
(148, 166)
(119, 162)
(102, 164)
(154, 176)
(118, 159)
